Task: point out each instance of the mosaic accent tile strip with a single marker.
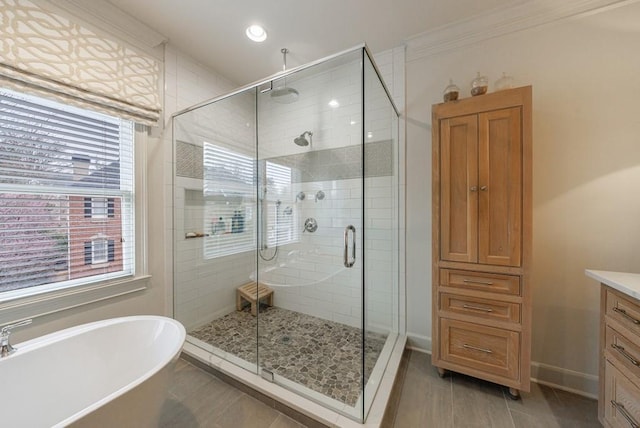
(340, 164)
(322, 355)
(319, 165)
(189, 160)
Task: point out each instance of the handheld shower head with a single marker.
(302, 141)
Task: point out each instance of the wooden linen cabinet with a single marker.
(482, 237)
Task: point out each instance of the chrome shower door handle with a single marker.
(349, 262)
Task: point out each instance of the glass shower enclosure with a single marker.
(286, 229)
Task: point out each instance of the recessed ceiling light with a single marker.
(256, 33)
(369, 135)
(334, 104)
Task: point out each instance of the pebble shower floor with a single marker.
(321, 355)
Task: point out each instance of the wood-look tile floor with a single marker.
(199, 399)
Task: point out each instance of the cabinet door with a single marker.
(500, 187)
(621, 399)
(459, 189)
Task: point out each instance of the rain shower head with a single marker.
(283, 94)
(301, 141)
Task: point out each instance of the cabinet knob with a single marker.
(483, 188)
(473, 188)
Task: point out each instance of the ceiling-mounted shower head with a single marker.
(301, 141)
(283, 94)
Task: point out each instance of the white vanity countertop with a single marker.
(627, 283)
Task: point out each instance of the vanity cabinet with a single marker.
(482, 237)
(619, 403)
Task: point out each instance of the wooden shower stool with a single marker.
(252, 292)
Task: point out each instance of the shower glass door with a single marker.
(310, 206)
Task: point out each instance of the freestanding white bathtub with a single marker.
(111, 373)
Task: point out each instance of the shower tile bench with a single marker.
(253, 292)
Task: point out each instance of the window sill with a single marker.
(99, 265)
(59, 300)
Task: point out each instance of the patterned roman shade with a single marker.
(48, 54)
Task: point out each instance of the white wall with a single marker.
(586, 167)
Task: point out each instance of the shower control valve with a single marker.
(310, 225)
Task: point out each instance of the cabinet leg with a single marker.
(514, 394)
(442, 372)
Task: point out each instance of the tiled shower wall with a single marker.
(323, 286)
(205, 289)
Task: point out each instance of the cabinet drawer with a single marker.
(480, 308)
(625, 311)
(621, 399)
(492, 350)
(622, 350)
(481, 281)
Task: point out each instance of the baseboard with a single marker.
(572, 381)
(567, 380)
(418, 343)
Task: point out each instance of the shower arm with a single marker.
(284, 51)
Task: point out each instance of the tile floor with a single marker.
(322, 355)
(456, 400)
(199, 399)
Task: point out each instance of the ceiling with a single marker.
(212, 31)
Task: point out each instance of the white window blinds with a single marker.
(229, 202)
(230, 209)
(45, 53)
(66, 194)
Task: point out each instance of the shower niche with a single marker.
(252, 168)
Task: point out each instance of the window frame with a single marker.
(33, 302)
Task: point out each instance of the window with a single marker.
(230, 189)
(98, 251)
(229, 197)
(98, 208)
(279, 213)
(61, 169)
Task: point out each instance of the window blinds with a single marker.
(279, 213)
(230, 189)
(44, 53)
(229, 193)
(66, 194)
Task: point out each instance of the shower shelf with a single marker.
(197, 235)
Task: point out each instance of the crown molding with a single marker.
(499, 22)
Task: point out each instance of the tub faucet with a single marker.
(5, 347)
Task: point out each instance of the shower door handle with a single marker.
(349, 262)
